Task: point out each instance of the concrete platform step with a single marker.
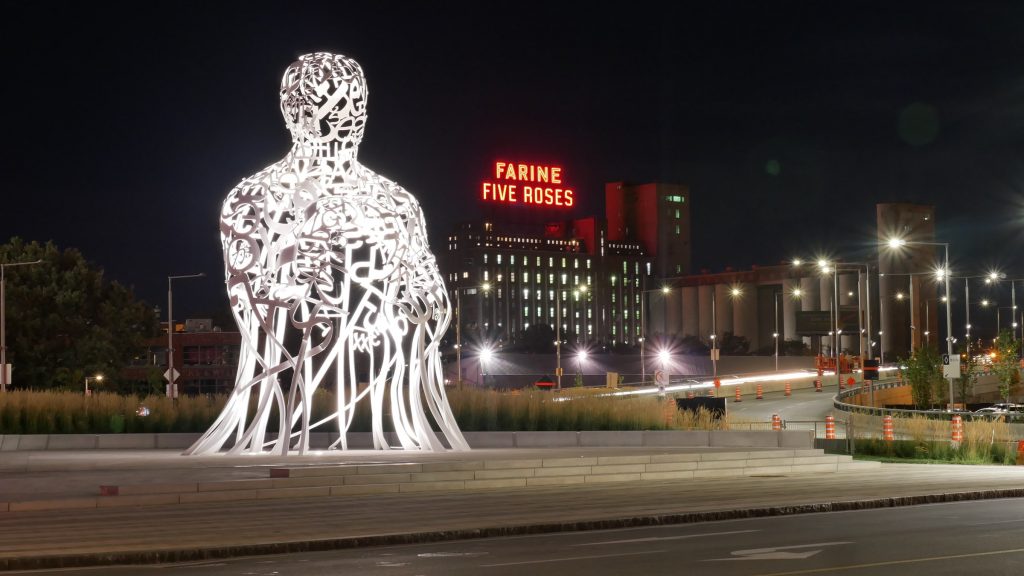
(341, 480)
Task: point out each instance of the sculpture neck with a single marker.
(324, 157)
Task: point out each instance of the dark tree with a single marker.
(66, 321)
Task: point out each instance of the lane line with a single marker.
(570, 559)
(895, 562)
(659, 538)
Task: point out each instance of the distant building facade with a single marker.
(205, 357)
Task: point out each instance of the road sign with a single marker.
(715, 354)
(171, 377)
(661, 378)
(950, 365)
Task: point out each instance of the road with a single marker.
(804, 404)
(981, 537)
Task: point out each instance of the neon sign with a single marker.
(530, 184)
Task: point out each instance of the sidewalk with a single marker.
(196, 531)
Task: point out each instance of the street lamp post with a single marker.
(458, 336)
(558, 336)
(643, 328)
(5, 372)
(172, 386)
(96, 378)
(897, 242)
(776, 333)
(714, 336)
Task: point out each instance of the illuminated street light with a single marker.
(96, 378)
(898, 242)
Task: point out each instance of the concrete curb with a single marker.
(221, 552)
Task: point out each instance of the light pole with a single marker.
(558, 336)
(172, 377)
(96, 378)
(5, 371)
(714, 335)
(775, 334)
(945, 272)
(643, 327)
(458, 335)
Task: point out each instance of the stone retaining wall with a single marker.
(584, 439)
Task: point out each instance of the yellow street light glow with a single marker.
(896, 242)
(797, 292)
(663, 355)
(899, 295)
(486, 286)
(822, 263)
(665, 289)
(797, 262)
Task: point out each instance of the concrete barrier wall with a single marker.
(480, 440)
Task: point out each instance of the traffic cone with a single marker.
(887, 432)
(760, 392)
(789, 389)
(711, 392)
(776, 422)
(739, 397)
(958, 430)
(817, 385)
(830, 427)
(689, 394)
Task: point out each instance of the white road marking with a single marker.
(450, 554)
(572, 558)
(777, 553)
(659, 538)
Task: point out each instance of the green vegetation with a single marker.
(923, 439)
(934, 452)
(1005, 363)
(924, 372)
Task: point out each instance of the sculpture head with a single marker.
(323, 99)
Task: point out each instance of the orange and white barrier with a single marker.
(760, 392)
(830, 427)
(689, 394)
(817, 384)
(776, 422)
(789, 389)
(739, 396)
(958, 429)
(887, 432)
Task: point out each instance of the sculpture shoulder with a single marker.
(402, 200)
(256, 186)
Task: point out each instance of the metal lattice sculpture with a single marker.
(329, 276)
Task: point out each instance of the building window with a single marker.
(526, 293)
(538, 260)
(512, 259)
(539, 278)
(498, 258)
(674, 199)
(679, 268)
(677, 229)
(613, 297)
(563, 262)
(677, 212)
(588, 263)
(485, 258)
(487, 275)
(465, 275)
(499, 277)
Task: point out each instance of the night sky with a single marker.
(126, 127)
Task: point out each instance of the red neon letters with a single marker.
(516, 183)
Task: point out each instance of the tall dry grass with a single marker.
(52, 412)
(984, 441)
(46, 412)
